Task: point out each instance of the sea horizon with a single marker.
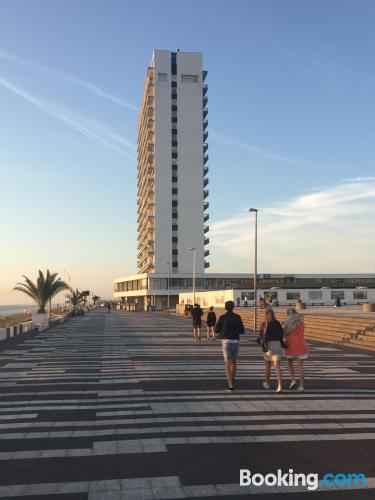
(8, 309)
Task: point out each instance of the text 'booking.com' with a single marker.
(293, 479)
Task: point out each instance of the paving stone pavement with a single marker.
(128, 406)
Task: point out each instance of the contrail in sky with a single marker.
(261, 153)
(28, 63)
(95, 130)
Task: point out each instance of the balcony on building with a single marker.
(205, 170)
(206, 241)
(206, 253)
(206, 229)
(205, 101)
(205, 113)
(205, 124)
(206, 217)
(205, 205)
(205, 182)
(206, 264)
(204, 74)
(205, 147)
(204, 89)
(205, 193)
(205, 159)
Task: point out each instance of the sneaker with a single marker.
(230, 389)
(279, 390)
(292, 384)
(300, 388)
(266, 385)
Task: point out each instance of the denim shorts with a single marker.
(230, 350)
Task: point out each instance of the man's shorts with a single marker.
(230, 350)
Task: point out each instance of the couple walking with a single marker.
(196, 315)
(273, 338)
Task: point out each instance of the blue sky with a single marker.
(291, 119)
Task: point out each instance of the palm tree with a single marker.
(95, 299)
(45, 288)
(77, 297)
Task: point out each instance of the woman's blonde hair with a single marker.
(270, 315)
(291, 311)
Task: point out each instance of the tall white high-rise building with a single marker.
(172, 165)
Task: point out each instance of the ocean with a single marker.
(6, 310)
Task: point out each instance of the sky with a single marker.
(291, 132)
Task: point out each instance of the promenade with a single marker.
(127, 406)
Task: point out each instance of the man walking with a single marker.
(196, 315)
(230, 327)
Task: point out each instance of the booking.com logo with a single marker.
(310, 481)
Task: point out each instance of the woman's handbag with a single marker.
(261, 340)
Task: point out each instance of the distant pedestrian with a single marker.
(230, 327)
(271, 340)
(108, 308)
(294, 328)
(245, 301)
(211, 322)
(196, 315)
(238, 302)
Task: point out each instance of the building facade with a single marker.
(151, 290)
(172, 165)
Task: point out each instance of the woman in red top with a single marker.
(297, 349)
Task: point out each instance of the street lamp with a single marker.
(169, 280)
(193, 250)
(255, 211)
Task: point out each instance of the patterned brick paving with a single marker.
(128, 406)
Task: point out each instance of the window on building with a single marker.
(360, 294)
(190, 78)
(174, 155)
(174, 131)
(174, 95)
(162, 77)
(174, 167)
(174, 239)
(292, 295)
(174, 84)
(174, 191)
(174, 144)
(174, 119)
(174, 178)
(174, 251)
(174, 227)
(337, 294)
(174, 107)
(174, 263)
(174, 203)
(249, 295)
(174, 216)
(315, 295)
(174, 69)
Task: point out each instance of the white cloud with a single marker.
(93, 129)
(60, 75)
(331, 230)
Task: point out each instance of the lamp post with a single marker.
(255, 211)
(169, 281)
(193, 250)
